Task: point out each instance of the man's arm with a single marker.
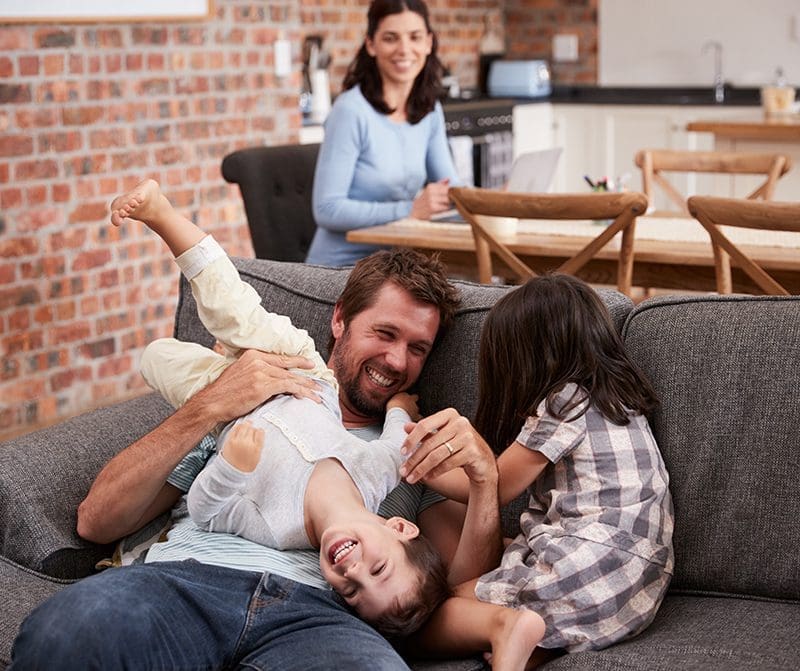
(132, 488)
(469, 537)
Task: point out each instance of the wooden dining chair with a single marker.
(713, 212)
(620, 208)
(654, 163)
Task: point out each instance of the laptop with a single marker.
(531, 172)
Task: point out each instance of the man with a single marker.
(205, 600)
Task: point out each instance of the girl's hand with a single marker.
(243, 445)
(407, 402)
(432, 199)
(444, 441)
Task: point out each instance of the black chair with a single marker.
(275, 183)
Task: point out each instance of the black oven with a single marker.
(480, 133)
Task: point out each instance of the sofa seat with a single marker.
(704, 633)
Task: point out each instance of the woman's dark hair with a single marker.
(549, 332)
(363, 70)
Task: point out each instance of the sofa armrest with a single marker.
(45, 475)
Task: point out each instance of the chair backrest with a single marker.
(276, 184)
(714, 212)
(621, 208)
(655, 162)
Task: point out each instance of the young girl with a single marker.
(566, 407)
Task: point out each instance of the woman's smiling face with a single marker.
(400, 47)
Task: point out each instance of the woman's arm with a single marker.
(346, 129)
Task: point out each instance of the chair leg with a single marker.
(722, 267)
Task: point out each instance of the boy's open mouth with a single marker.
(340, 550)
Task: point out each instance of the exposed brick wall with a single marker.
(88, 110)
(531, 24)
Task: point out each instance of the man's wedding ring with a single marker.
(449, 447)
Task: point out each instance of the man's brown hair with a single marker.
(431, 589)
(424, 277)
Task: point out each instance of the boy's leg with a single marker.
(147, 204)
(463, 625)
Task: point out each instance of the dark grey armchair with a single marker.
(275, 183)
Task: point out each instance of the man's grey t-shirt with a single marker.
(186, 541)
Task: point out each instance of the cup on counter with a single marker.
(777, 100)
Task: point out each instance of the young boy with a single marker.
(281, 467)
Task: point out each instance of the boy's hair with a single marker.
(364, 71)
(430, 590)
(424, 277)
(551, 331)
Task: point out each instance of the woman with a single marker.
(384, 137)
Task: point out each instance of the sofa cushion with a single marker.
(22, 591)
(726, 371)
(45, 475)
(703, 634)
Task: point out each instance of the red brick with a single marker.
(44, 314)
(60, 142)
(103, 139)
(65, 379)
(15, 93)
(97, 211)
(82, 116)
(113, 63)
(74, 238)
(13, 38)
(36, 117)
(73, 332)
(54, 37)
(76, 64)
(41, 169)
(60, 193)
(116, 366)
(19, 320)
(60, 91)
(86, 165)
(10, 198)
(18, 247)
(9, 369)
(19, 295)
(26, 341)
(102, 392)
(67, 286)
(95, 258)
(16, 145)
(24, 390)
(53, 64)
(134, 62)
(90, 305)
(6, 66)
(34, 219)
(112, 300)
(129, 160)
(36, 195)
(66, 310)
(98, 349)
(8, 273)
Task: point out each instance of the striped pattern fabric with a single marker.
(594, 557)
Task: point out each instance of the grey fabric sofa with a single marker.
(725, 368)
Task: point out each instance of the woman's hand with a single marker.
(445, 441)
(432, 199)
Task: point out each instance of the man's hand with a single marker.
(445, 441)
(432, 199)
(249, 381)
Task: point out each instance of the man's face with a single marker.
(381, 352)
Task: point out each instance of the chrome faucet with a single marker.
(719, 84)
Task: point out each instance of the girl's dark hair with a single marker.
(551, 331)
(363, 70)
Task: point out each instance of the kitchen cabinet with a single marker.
(602, 141)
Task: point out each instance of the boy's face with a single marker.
(381, 351)
(367, 565)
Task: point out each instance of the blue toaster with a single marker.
(519, 79)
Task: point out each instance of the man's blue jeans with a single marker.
(186, 615)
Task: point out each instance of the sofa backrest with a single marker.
(726, 370)
(307, 294)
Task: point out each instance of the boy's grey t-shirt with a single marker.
(186, 541)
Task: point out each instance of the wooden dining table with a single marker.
(669, 253)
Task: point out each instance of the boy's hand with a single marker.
(407, 402)
(243, 445)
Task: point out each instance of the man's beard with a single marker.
(349, 381)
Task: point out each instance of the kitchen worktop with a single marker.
(754, 126)
(653, 95)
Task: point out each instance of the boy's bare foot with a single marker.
(519, 633)
(145, 203)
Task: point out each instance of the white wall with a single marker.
(659, 42)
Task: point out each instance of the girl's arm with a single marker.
(518, 467)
